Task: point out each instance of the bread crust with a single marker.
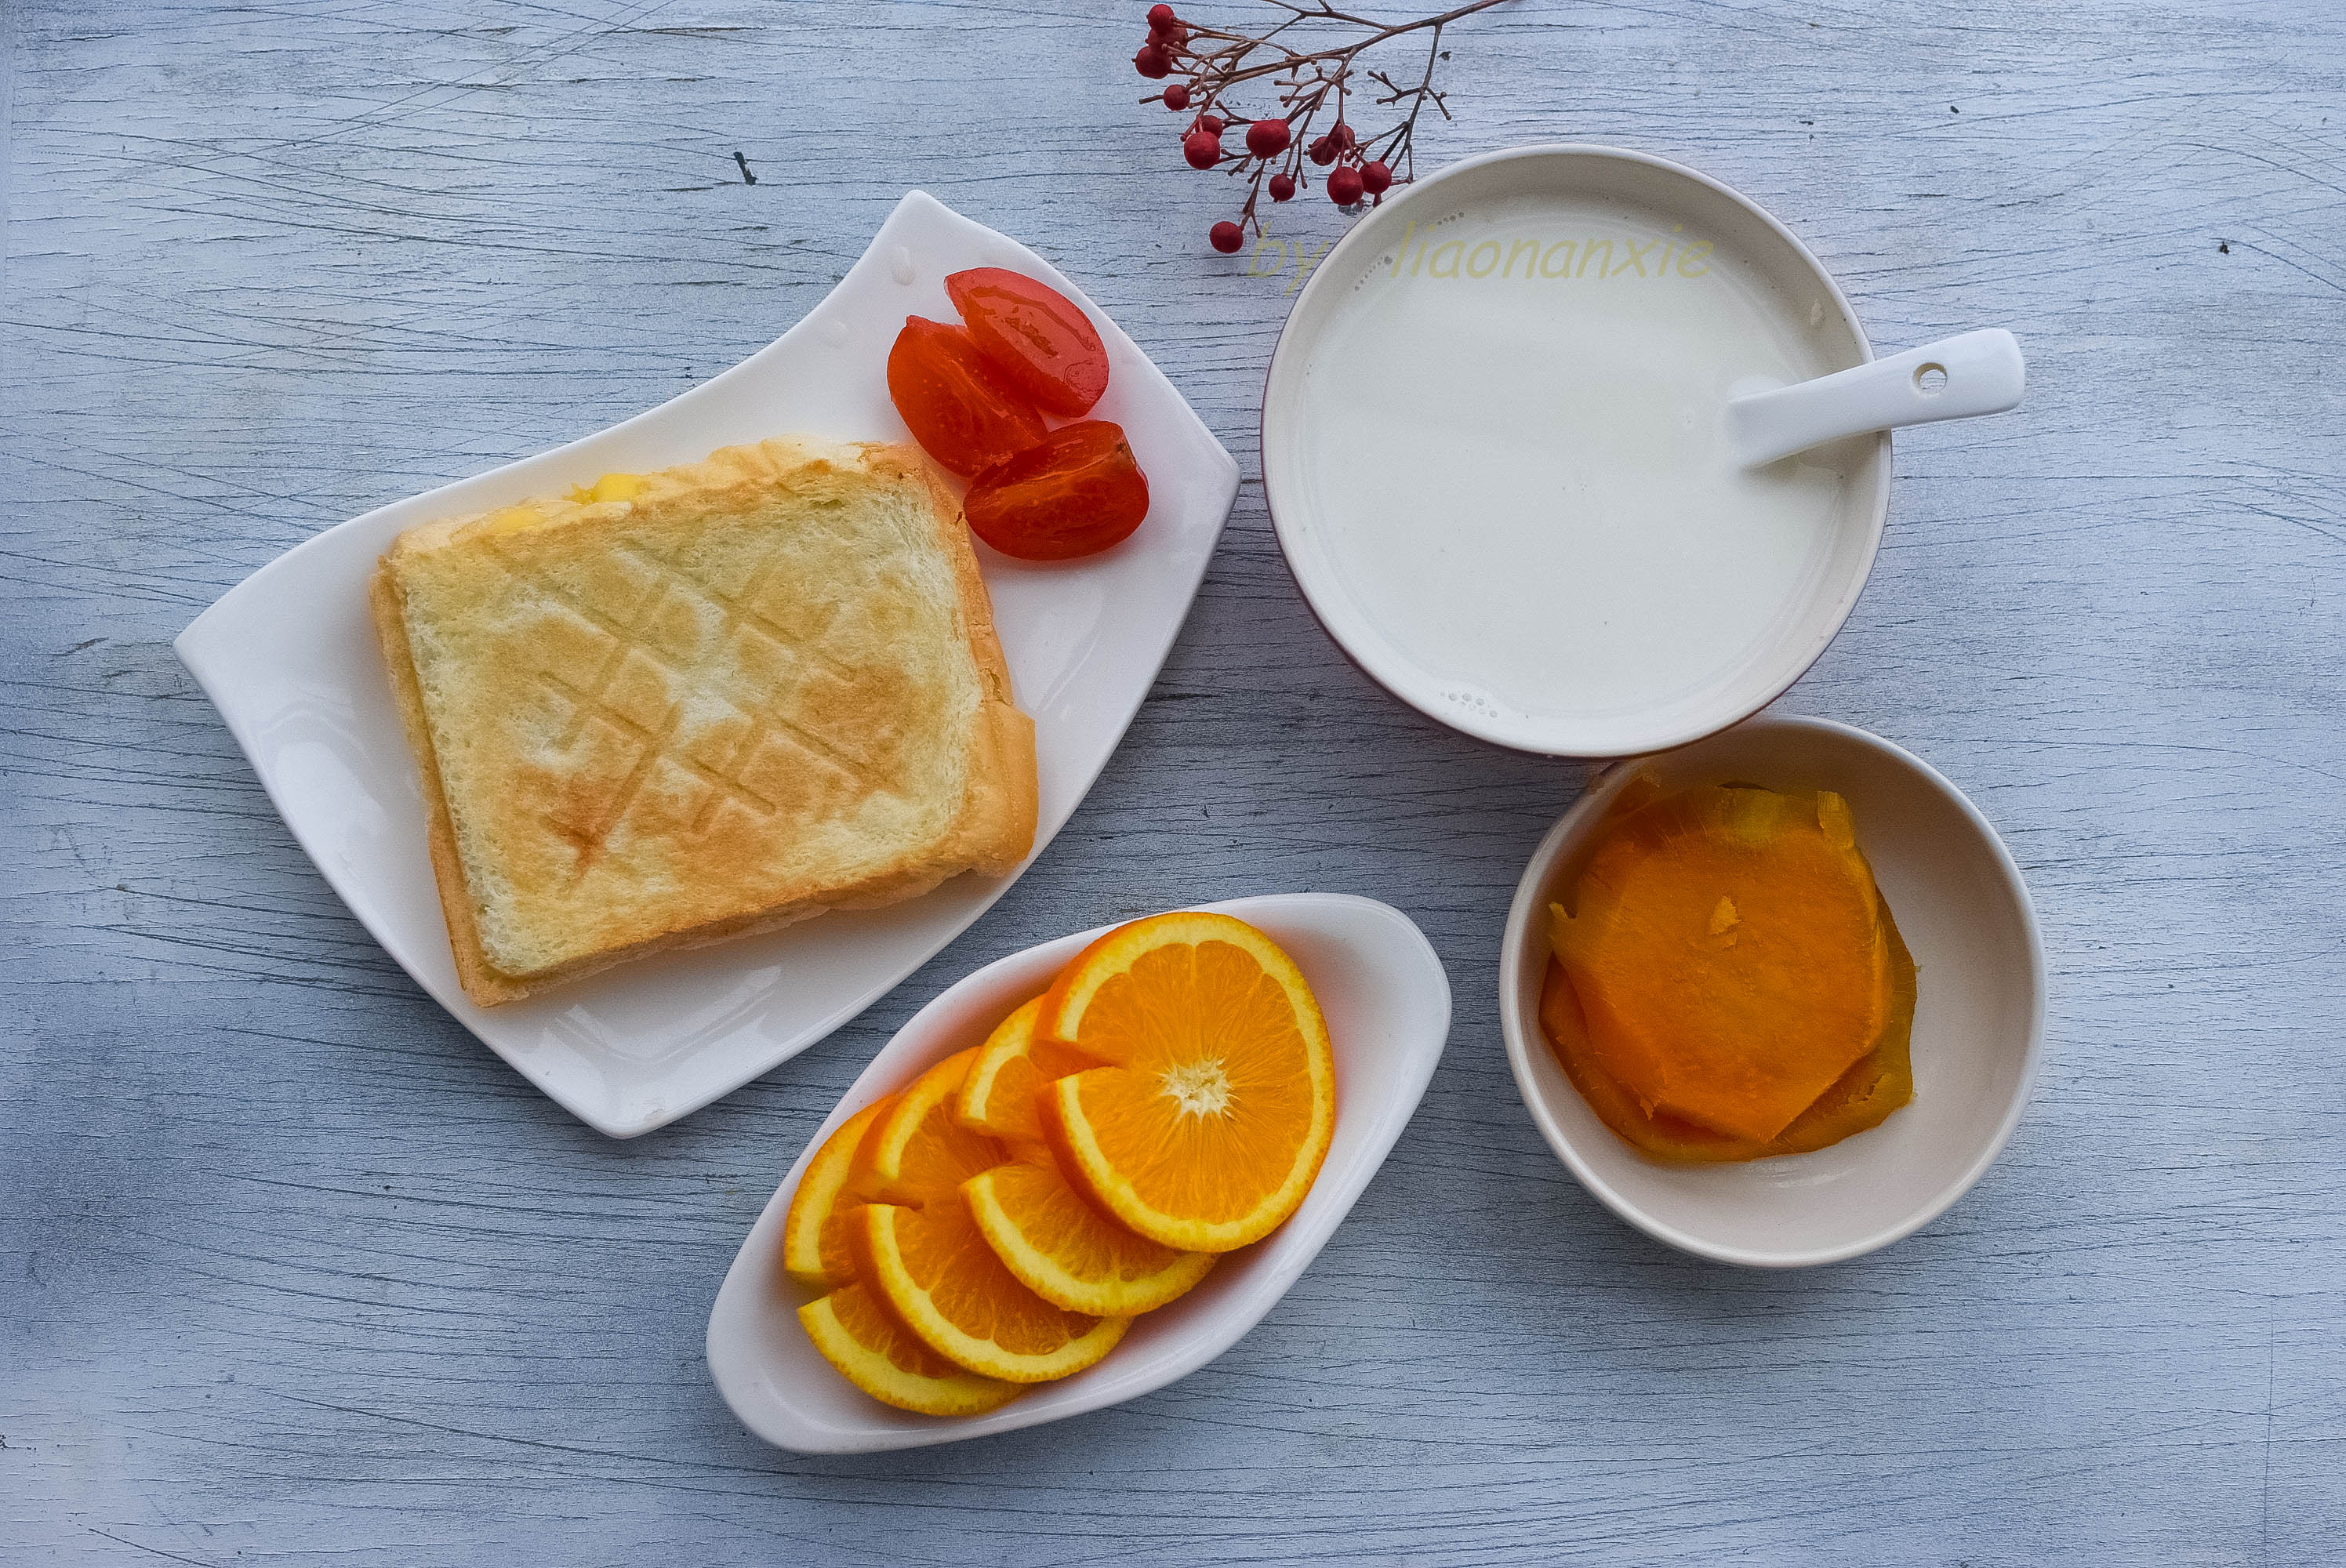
(1004, 791)
(482, 983)
(992, 830)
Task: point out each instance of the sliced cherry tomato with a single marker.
(963, 411)
(1041, 339)
(1075, 494)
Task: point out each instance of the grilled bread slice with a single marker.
(686, 705)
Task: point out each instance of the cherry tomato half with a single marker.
(1038, 337)
(1075, 494)
(965, 412)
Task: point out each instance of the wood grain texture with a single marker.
(292, 1269)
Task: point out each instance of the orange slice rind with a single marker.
(1217, 1104)
(1068, 1253)
(937, 1274)
(876, 1353)
(815, 1250)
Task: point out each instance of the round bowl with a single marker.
(1979, 1020)
(1458, 618)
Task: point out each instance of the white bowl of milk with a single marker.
(1505, 458)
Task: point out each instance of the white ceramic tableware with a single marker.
(1961, 377)
(1497, 455)
(1979, 1021)
(290, 658)
(1387, 1003)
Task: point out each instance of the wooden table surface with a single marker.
(293, 1270)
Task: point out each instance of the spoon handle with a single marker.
(1955, 378)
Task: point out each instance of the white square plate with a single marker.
(1387, 1002)
(289, 656)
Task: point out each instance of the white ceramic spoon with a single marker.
(1955, 378)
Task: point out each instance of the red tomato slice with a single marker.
(1038, 337)
(1076, 494)
(965, 412)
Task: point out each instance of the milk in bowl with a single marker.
(1498, 458)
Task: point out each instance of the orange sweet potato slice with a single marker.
(1729, 956)
(1881, 1082)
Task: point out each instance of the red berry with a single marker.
(1340, 137)
(1210, 125)
(1227, 237)
(1376, 179)
(1160, 17)
(1282, 187)
(1152, 62)
(1266, 138)
(1321, 152)
(1345, 185)
(1177, 97)
(1202, 149)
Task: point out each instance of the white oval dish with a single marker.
(1979, 1021)
(1387, 1002)
(1556, 548)
(289, 659)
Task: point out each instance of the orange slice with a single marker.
(1218, 1100)
(871, 1349)
(935, 1272)
(917, 1153)
(815, 1251)
(1067, 1252)
(1058, 1245)
(922, 1255)
(997, 1095)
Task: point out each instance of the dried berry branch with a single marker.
(1214, 61)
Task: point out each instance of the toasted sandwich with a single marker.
(681, 706)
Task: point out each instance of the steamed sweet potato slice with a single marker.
(1730, 956)
(1880, 1081)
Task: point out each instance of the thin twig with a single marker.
(1212, 62)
